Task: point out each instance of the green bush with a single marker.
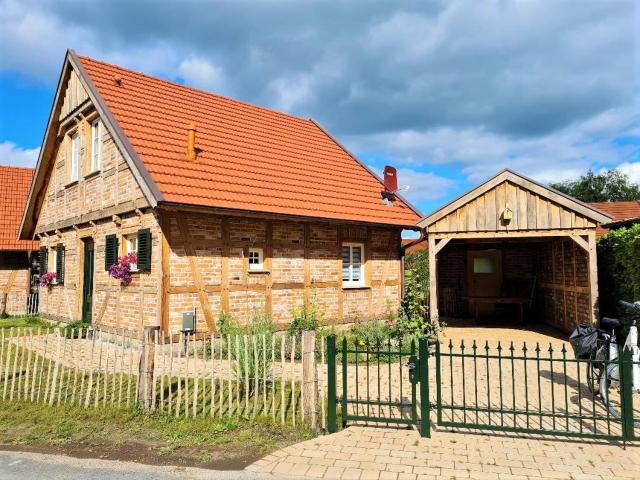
(304, 319)
(77, 329)
(619, 269)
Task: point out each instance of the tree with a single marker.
(608, 186)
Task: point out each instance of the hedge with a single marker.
(619, 269)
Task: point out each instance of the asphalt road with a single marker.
(37, 466)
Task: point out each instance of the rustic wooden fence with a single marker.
(183, 375)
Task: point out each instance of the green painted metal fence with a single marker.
(379, 381)
(525, 389)
(538, 390)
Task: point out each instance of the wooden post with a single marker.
(433, 279)
(309, 377)
(145, 367)
(593, 278)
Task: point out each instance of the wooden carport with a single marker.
(510, 209)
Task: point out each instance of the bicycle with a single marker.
(600, 348)
(609, 378)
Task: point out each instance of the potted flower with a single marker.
(121, 270)
(48, 279)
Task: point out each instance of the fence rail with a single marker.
(182, 375)
(540, 389)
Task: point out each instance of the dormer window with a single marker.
(96, 145)
(75, 156)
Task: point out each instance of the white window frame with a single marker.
(256, 266)
(75, 156)
(96, 145)
(350, 282)
(52, 258)
(131, 245)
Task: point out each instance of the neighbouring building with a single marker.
(228, 206)
(624, 214)
(514, 246)
(18, 258)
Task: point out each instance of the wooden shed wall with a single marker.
(530, 212)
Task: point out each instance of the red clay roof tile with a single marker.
(618, 210)
(250, 158)
(14, 190)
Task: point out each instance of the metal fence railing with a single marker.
(540, 390)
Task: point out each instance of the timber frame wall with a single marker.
(205, 265)
(510, 206)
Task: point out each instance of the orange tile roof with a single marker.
(251, 158)
(618, 210)
(14, 190)
(415, 245)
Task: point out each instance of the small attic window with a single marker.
(96, 145)
(255, 259)
(75, 156)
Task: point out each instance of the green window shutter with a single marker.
(144, 250)
(60, 263)
(110, 251)
(43, 260)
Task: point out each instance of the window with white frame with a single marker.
(96, 144)
(75, 157)
(352, 265)
(255, 259)
(131, 246)
(52, 260)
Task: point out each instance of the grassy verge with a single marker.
(128, 434)
(23, 321)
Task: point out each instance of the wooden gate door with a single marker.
(484, 276)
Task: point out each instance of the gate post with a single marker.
(309, 377)
(423, 370)
(626, 393)
(332, 426)
(146, 366)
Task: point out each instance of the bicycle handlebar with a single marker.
(632, 306)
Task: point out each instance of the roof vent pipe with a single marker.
(191, 142)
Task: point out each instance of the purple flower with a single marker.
(121, 270)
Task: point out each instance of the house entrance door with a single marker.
(87, 285)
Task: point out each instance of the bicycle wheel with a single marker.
(593, 377)
(610, 392)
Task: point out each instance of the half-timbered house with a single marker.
(228, 206)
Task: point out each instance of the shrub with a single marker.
(619, 269)
(76, 329)
(305, 318)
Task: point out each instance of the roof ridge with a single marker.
(195, 89)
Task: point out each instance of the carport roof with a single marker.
(508, 175)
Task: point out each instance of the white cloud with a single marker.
(15, 156)
(199, 72)
(632, 169)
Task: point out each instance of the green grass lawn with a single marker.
(128, 434)
(33, 321)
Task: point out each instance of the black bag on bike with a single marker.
(584, 341)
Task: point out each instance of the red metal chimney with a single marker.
(390, 179)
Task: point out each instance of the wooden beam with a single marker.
(195, 272)
(593, 278)
(433, 279)
(441, 244)
(165, 265)
(339, 266)
(307, 263)
(512, 234)
(268, 265)
(581, 242)
(224, 301)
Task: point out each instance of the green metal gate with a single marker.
(537, 390)
(379, 382)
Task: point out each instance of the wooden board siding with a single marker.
(530, 212)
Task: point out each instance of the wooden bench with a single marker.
(519, 301)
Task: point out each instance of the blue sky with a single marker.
(449, 92)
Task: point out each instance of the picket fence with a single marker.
(183, 375)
